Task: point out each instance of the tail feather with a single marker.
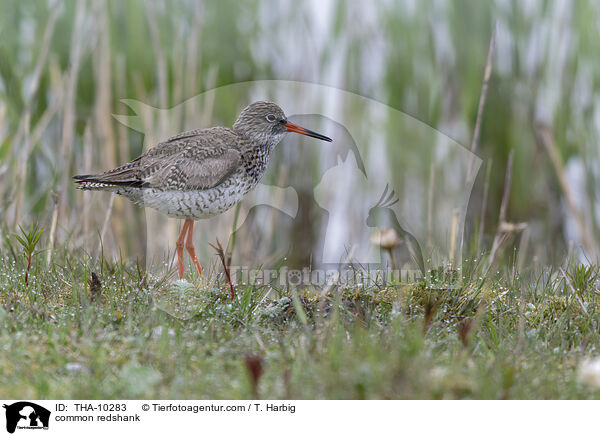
(101, 181)
(126, 175)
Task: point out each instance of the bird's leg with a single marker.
(189, 245)
(179, 245)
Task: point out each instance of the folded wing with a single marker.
(193, 160)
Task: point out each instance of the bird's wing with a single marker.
(196, 167)
(197, 159)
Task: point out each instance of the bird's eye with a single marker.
(271, 118)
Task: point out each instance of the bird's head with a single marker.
(265, 123)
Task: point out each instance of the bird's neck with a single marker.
(256, 138)
(256, 159)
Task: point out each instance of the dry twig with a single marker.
(505, 229)
(482, 97)
(486, 188)
(545, 135)
(221, 253)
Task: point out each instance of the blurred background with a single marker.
(66, 66)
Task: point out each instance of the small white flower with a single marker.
(589, 372)
(438, 373)
(74, 367)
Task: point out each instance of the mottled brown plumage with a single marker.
(201, 173)
(198, 159)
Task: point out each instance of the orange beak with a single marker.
(295, 128)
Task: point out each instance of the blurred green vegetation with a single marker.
(424, 58)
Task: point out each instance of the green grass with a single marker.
(487, 339)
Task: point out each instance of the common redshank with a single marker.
(201, 173)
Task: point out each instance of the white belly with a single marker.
(191, 204)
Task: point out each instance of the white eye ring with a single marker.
(271, 118)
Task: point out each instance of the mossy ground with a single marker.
(153, 337)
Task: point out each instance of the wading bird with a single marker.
(201, 173)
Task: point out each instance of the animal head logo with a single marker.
(25, 414)
(382, 212)
(402, 247)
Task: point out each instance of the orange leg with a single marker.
(180, 241)
(189, 245)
